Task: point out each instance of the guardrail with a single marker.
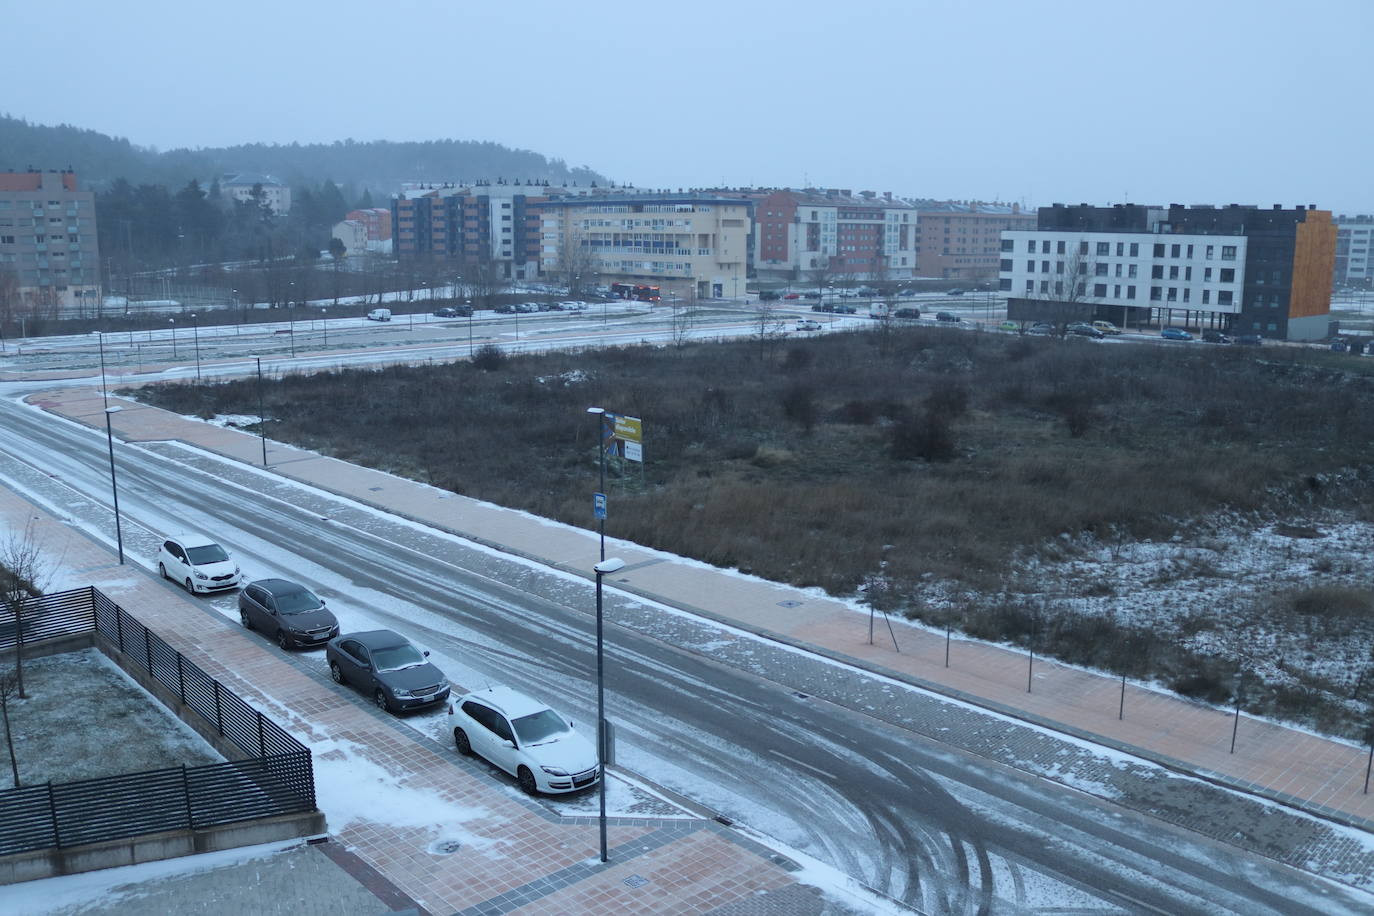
(275, 778)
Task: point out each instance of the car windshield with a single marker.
(297, 602)
(210, 553)
(539, 727)
(394, 658)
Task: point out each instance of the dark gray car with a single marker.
(287, 611)
(384, 665)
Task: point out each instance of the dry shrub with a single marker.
(1332, 601)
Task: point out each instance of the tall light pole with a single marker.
(324, 323)
(600, 414)
(104, 395)
(468, 304)
(173, 323)
(262, 419)
(195, 331)
(614, 564)
(291, 316)
(114, 487)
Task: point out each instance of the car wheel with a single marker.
(162, 570)
(526, 778)
(244, 619)
(283, 640)
(380, 699)
(191, 589)
(336, 672)
(460, 741)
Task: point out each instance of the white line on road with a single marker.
(806, 766)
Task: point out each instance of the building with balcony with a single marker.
(821, 235)
(48, 244)
(1236, 268)
(962, 240)
(489, 224)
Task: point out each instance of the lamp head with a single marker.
(609, 565)
(596, 410)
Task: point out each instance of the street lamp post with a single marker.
(104, 395)
(324, 323)
(173, 323)
(468, 303)
(291, 315)
(114, 486)
(600, 414)
(612, 565)
(195, 332)
(262, 419)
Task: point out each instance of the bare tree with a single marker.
(577, 267)
(769, 332)
(24, 573)
(1065, 296)
(9, 690)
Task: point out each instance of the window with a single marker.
(1130, 271)
(1099, 290)
(1118, 270)
(1005, 284)
(1104, 248)
(1101, 270)
(1045, 246)
(1223, 297)
(1030, 245)
(1206, 296)
(1190, 251)
(1083, 247)
(1187, 273)
(1159, 250)
(1059, 267)
(6, 240)
(1156, 294)
(1228, 252)
(1005, 265)
(1173, 272)
(1186, 291)
(1008, 244)
(1059, 287)
(1157, 272)
(1209, 252)
(1175, 250)
(1030, 267)
(1228, 275)
(1030, 286)
(1206, 274)
(1060, 249)
(1044, 286)
(1173, 294)
(1120, 248)
(1044, 267)
(1135, 251)
(1130, 292)
(1116, 291)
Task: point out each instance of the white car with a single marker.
(525, 738)
(198, 563)
(808, 324)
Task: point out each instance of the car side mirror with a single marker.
(321, 602)
(426, 653)
(508, 743)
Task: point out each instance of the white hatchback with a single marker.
(198, 563)
(525, 738)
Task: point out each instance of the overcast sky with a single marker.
(1153, 101)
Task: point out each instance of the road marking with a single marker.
(805, 766)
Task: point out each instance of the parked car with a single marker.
(1175, 334)
(1249, 340)
(1042, 329)
(808, 324)
(1211, 336)
(445, 313)
(505, 308)
(287, 611)
(198, 563)
(955, 292)
(1106, 327)
(907, 312)
(525, 308)
(379, 315)
(865, 292)
(815, 295)
(384, 665)
(840, 309)
(947, 316)
(792, 296)
(1080, 329)
(525, 738)
(1009, 326)
(1339, 346)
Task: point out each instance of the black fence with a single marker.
(276, 778)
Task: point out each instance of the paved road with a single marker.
(919, 819)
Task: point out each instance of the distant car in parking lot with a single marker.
(1249, 340)
(955, 292)
(839, 309)
(792, 296)
(288, 612)
(1080, 329)
(1106, 327)
(907, 312)
(947, 316)
(1042, 329)
(1339, 346)
(1009, 326)
(1175, 334)
(808, 324)
(445, 313)
(1211, 336)
(769, 295)
(505, 308)
(525, 308)
(386, 667)
(197, 563)
(527, 739)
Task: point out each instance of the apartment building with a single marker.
(48, 243)
(239, 186)
(376, 220)
(498, 224)
(1238, 268)
(690, 244)
(962, 240)
(1354, 250)
(823, 234)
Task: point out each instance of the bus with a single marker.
(636, 291)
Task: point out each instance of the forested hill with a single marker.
(381, 165)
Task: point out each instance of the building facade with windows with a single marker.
(819, 235)
(488, 224)
(693, 245)
(1236, 268)
(239, 186)
(49, 259)
(1354, 250)
(962, 240)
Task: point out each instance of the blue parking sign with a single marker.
(599, 504)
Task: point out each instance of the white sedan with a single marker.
(195, 561)
(808, 324)
(525, 738)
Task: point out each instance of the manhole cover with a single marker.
(789, 604)
(374, 489)
(445, 847)
(636, 881)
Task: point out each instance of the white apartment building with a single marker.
(1354, 250)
